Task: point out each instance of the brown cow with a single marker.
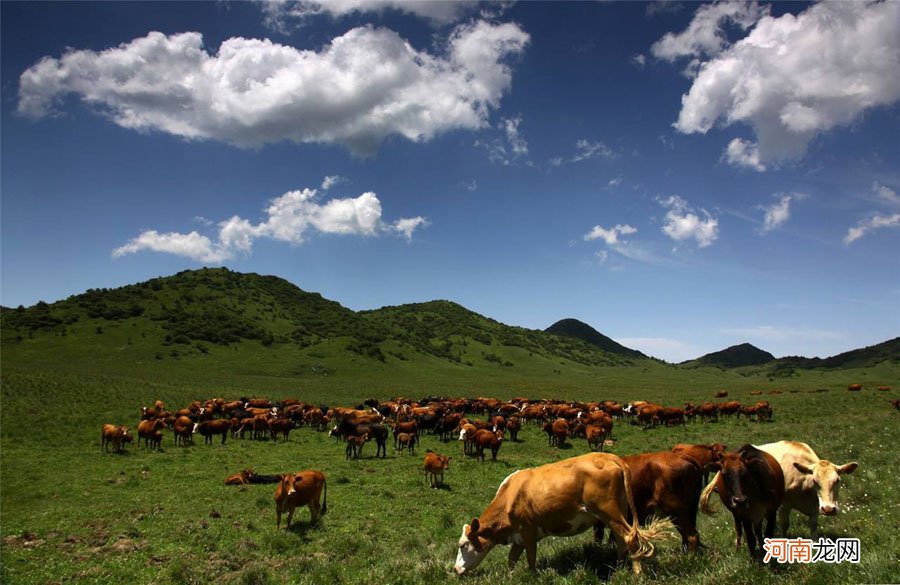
(280, 425)
(896, 403)
(147, 429)
(751, 485)
(721, 393)
(596, 434)
(435, 465)
(115, 436)
(355, 444)
(513, 426)
(729, 408)
(854, 387)
(562, 499)
(410, 428)
(241, 478)
(702, 454)
(883, 388)
(184, 429)
(649, 415)
(708, 411)
(560, 431)
(301, 489)
(208, 428)
(407, 442)
(666, 484)
(485, 439)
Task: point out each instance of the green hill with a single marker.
(579, 330)
(886, 351)
(196, 312)
(736, 356)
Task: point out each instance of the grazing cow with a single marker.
(649, 415)
(115, 436)
(751, 485)
(708, 411)
(559, 499)
(301, 489)
(721, 393)
(559, 430)
(280, 425)
(671, 416)
(208, 428)
(729, 408)
(485, 439)
(435, 465)
(184, 429)
(702, 454)
(355, 444)
(666, 484)
(467, 436)
(147, 429)
(595, 435)
(513, 426)
(408, 442)
(810, 484)
(376, 431)
(854, 387)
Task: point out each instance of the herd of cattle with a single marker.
(595, 490)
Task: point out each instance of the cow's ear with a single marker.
(473, 527)
(848, 468)
(802, 468)
(713, 466)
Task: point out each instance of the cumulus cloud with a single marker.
(289, 218)
(611, 235)
(285, 15)
(332, 180)
(777, 213)
(684, 223)
(791, 77)
(742, 153)
(361, 87)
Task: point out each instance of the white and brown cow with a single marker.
(560, 499)
(811, 484)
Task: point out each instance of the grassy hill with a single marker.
(736, 356)
(579, 330)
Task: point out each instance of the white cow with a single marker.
(811, 484)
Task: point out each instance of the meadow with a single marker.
(72, 514)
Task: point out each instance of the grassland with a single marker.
(70, 514)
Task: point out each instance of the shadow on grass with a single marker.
(591, 557)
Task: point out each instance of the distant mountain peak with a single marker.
(580, 330)
(736, 356)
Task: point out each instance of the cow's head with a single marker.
(735, 473)
(473, 546)
(287, 483)
(826, 476)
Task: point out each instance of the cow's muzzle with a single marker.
(739, 501)
(828, 510)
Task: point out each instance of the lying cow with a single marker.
(560, 499)
(301, 489)
(811, 484)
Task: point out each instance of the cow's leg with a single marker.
(290, 514)
(751, 528)
(277, 515)
(314, 510)
(515, 551)
(814, 524)
(738, 528)
(529, 542)
(784, 519)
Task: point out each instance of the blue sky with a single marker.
(681, 176)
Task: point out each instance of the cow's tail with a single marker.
(705, 504)
(325, 500)
(657, 529)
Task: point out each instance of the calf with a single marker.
(410, 428)
(408, 442)
(301, 489)
(147, 430)
(596, 435)
(241, 478)
(751, 485)
(355, 444)
(115, 436)
(559, 499)
(435, 465)
(810, 484)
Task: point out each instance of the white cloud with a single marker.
(770, 333)
(886, 195)
(332, 180)
(585, 150)
(683, 223)
(639, 61)
(741, 153)
(671, 350)
(875, 222)
(191, 245)
(407, 226)
(512, 148)
(601, 256)
(793, 77)
(614, 182)
(290, 218)
(777, 213)
(358, 89)
(706, 36)
(611, 235)
(285, 15)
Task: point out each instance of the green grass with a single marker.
(149, 517)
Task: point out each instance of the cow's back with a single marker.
(797, 484)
